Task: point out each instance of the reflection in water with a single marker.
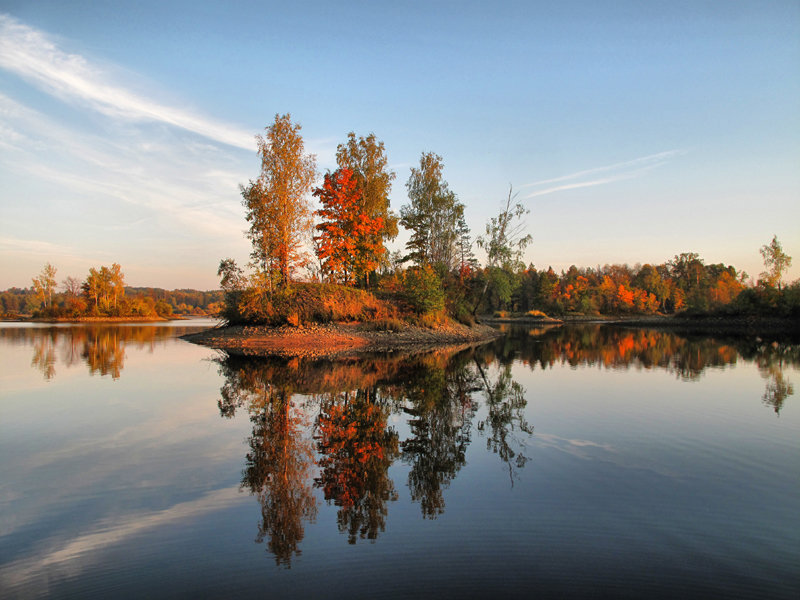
(278, 470)
(325, 425)
(279, 463)
(100, 346)
(686, 356)
(505, 401)
(356, 449)
(771, 359)
(350, 404)
(436, 396)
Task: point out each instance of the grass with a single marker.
(311, 303)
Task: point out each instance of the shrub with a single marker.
(423, 290)
(163, 309)
(463, 315)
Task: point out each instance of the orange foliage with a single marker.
(349, 244)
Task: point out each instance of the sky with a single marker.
(632, 131)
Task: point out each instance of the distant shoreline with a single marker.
(91, 320)
(727, 324)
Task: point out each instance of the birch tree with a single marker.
(435, 216)
(277, 204)
(44, 285)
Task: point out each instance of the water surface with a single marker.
(573, 462)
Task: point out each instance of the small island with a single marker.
(340, 340)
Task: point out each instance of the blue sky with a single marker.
(633, 131)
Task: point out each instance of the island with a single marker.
(340, 340)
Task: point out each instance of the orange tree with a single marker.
(348, 244)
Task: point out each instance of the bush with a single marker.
(463, 315)
(423, 290)
(163, 309)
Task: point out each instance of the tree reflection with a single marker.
(280, 460)
(447, 398)
(505, 403)
(100, 347)
(44, 356)
(437, 395)
(355, 446)
(687, 355)
(771, 359)
(356, 449)
(621, 348)
(104, 352)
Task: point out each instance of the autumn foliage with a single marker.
(348, 244)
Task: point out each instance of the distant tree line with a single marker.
(438, 274)
(102, 294)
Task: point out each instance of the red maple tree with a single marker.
(348, 244)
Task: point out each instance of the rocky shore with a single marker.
(336, 340)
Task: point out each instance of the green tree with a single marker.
(776, 261)
(504, 240)
(277, 204)
(504, 243)
(434, 216)
(44, 285)
(231, 276)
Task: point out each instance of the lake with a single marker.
(572, 462)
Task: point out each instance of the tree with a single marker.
(349, 244)
(44, 285)
(72, 286)
(92, 287)
(504, 241)
(116, 283)
(776, 261)
(72, 290)
(687, 270)
(231, 276)
(434, 215)
(277, 205)
(505, 244)
(366, 158)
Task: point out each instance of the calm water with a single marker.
(575, 462)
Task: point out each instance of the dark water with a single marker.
(577, 462)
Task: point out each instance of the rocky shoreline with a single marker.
(338, 340)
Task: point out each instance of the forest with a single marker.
(103, 294)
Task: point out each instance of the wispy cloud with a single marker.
(74, 555)
(621, 171)
(166, 177)
(32, 55)
(39, 247)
